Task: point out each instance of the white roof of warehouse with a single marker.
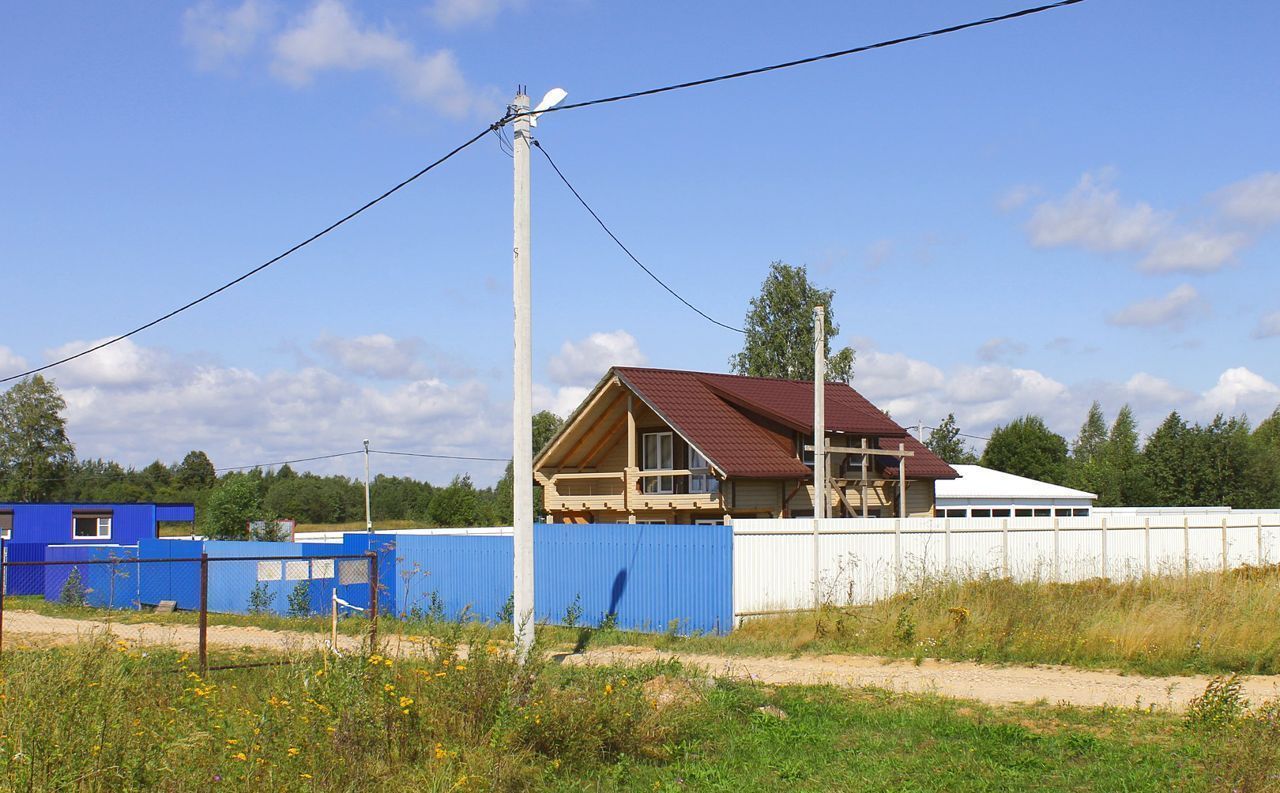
(978, 482)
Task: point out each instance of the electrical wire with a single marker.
(264, 265)
(803, 61)
(624, 248)
(441, 456)
(289, 462)
(961, 434)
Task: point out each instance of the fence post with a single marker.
(373, 601)
(1261, 558)
(1186, 546)
(1106, 567)
(946, 548)
(204, 612)
(817, 597)
(897, 555)
(4, 583)
(1004, 548)
(1146, 543)
(1224, 545)
(1057, 553)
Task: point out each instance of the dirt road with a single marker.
(991, 684)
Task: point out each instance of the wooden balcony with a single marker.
(621, 491)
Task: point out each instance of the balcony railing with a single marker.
(626, 490)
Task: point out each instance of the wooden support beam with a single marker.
(564, 461)
(786, 499)
(844, 500)
(602, 443)
(902, 485)
(864, 450)
(863, 464)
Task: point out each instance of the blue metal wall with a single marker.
(647, 576)
(50, 524)
(114, 586)
(24, 580)
(180, 513)
(468, 575)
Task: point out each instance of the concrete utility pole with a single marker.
(368, 516)
(819, 413)
(522, 413)
(819, 440)
(522, 380)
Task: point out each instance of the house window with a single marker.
(806, 455)
(1000, 513)
(91, 525)
(1022, 513)
(1061, 513)
(652, 522)
(701, 479)
(6, 524)
(953, 513)
(1080, 512)
(981, 513)
(709, 522)
(1041, 512)
(658, 455)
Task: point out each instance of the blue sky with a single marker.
(1022, 218)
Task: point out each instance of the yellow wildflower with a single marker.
(293, 751)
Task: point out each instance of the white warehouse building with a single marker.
(987, 493)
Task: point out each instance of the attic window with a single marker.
(91, 525)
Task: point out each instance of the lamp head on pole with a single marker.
(553, 97)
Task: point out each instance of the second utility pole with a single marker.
(368, 516)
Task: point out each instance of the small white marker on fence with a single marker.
(1261, 557)
(946, 552)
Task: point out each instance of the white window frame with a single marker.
(104, 521)
(661, 485)
(7, 533)
(701, 480)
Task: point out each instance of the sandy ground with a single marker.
(992, 684)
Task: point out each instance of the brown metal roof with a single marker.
(743, 424)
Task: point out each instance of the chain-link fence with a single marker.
(323, 601)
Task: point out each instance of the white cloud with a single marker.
(455, 14)
(1240, 390)
(222, 35)
(328, 38)
(1173, 309)
(123, 364)
(10, 362)
(1017, 197)
(1255, 200)
(1193, 251)
(879, 252)
(1268, 326)
(135, 404)
(583, 362)
(1093, 217)
(377, 355)
(1000, 349)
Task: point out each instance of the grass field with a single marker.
(1208, 623)
(105, 716)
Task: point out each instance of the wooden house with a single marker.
(664, 446)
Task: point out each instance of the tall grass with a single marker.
(105, 716)
(1203, 623)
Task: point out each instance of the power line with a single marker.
(289, 462)
(262, 266)
(624, 248)
(961, 434)
(812, 59)
(441, 456)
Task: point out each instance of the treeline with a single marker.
(1225, 462)
(38, 463)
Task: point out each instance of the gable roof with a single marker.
(728, 418)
